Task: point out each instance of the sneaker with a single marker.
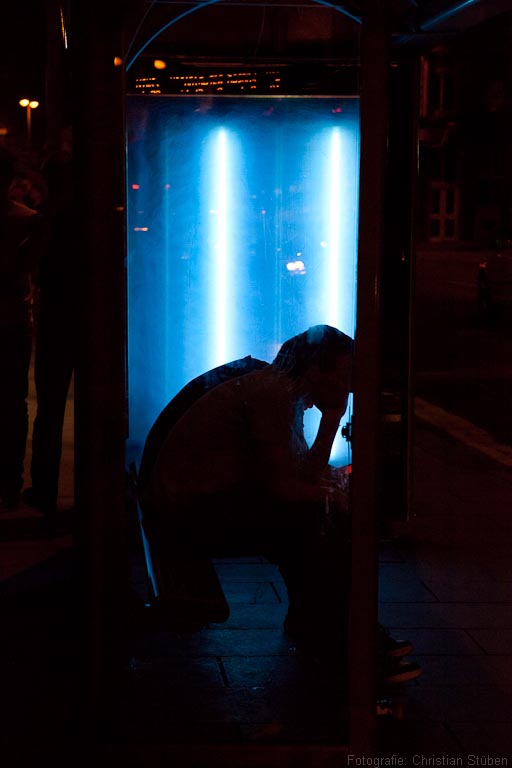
(325, 644)
(390, 646)
(390, 708)
(400, 671)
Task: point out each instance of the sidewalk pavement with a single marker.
(446, 585)
(450, 592)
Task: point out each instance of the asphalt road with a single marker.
(462, 364)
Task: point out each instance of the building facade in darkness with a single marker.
(465, 124)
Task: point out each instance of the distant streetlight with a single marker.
(29, 105)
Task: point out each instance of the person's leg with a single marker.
(15, 346)
(53, 369)
(190, 591)
(316, 571)
(181, 546)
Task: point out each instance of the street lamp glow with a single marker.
(29, 105)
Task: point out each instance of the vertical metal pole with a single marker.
(54, 78)
(374, 126)
(411, 370)
(29, 126)
(100, 400)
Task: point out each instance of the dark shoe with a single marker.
(391, 647)
(303, 634)
(399, 671)
(295, 628)
(325, 646)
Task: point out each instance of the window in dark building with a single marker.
(450, 201)
(449, 229)
(434, 228)
(435, 201)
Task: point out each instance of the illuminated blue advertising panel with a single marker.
(242, 232)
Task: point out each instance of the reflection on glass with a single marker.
(242, 232)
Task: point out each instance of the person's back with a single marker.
(233, 454)
(182, 402)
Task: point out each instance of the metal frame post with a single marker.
(100, 397)
(367, 378)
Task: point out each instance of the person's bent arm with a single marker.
(318, 455)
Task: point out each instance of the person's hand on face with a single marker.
(329, 391)
(308, 402)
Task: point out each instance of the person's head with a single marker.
(320, 361)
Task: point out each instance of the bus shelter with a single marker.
(295, 187)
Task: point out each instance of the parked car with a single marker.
(494, 280)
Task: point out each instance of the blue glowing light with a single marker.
(335, 202)
(221, 246)
(442, 16)
(242, 232)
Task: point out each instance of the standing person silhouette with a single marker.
(21, 231)
(55, 334)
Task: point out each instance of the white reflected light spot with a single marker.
(296, 267)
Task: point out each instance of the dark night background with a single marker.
(22, 64)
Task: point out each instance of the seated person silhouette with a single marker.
(226, 470)
(235, 475)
